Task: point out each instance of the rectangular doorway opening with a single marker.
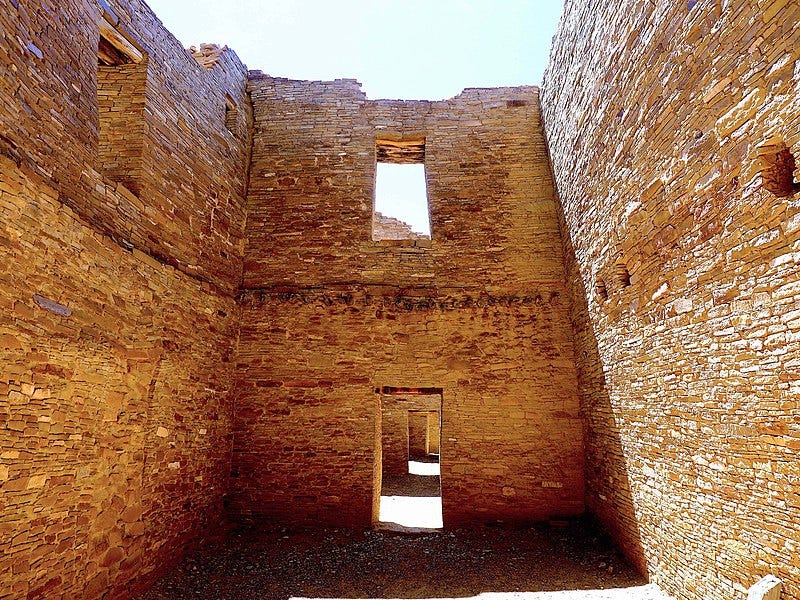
(408, 459)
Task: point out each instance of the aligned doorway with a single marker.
(408, 494)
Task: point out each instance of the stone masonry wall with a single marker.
(663, 120)
(306, 408)
(121, 100)
(313, 184)
(118, 321)
(189, 210)
(329, 314)
(395, 429)
(114, 411)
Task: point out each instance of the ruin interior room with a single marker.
(205, 321)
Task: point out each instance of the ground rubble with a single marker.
(497, 562)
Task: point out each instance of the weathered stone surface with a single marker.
(329, 314)
(633, 350)
(101, 341)
(658, 117)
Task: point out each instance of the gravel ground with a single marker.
(493, 562)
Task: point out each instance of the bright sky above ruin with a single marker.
(409, 49)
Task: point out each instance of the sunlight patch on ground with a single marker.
(644, 592)
(423, 468)
(407, 511)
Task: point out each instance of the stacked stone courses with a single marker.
(664, 122)
(200, 306)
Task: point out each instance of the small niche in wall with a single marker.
(622, 274)
(231, 115)
(121, 84)
(777, 165)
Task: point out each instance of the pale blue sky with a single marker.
(406, 49)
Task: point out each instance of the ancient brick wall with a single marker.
(660, 117)
(306, 406)
(329, 314)
(417, 434)
(313, 183)
(189, 210)
(121, 100)
(114, 378)
(389, 228)
(114, 413)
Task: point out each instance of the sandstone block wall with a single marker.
(329, 315)
(663, 119)
(118, 321)
(306, 408)
(189, 210)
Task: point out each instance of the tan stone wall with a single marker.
(114, 410)
(433, 432)
(389, 228)
(655, 113)
(329, 315)
(306, 409)
(312, 188)
(395, 429)
(417, 434)
(394, 436)
(120, 98)
(189, 208)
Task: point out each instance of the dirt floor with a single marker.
(370, 564)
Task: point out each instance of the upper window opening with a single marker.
(116, 47)
(121, 84)
(401, 199)
(231, 115)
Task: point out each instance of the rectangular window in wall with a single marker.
(121, 82)
(401, 210)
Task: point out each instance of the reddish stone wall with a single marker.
(688, 375)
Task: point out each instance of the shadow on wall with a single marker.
(608, 492)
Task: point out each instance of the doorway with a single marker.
(408, 459)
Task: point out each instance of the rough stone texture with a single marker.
(189, 210)
(114, 366)
(329, 315)
(312, 186)
(659, 116)
(389, 228)
(306, 410)
(114, 413)
(649, 323)
(417, 434)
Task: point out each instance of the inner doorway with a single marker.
(408, 459)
